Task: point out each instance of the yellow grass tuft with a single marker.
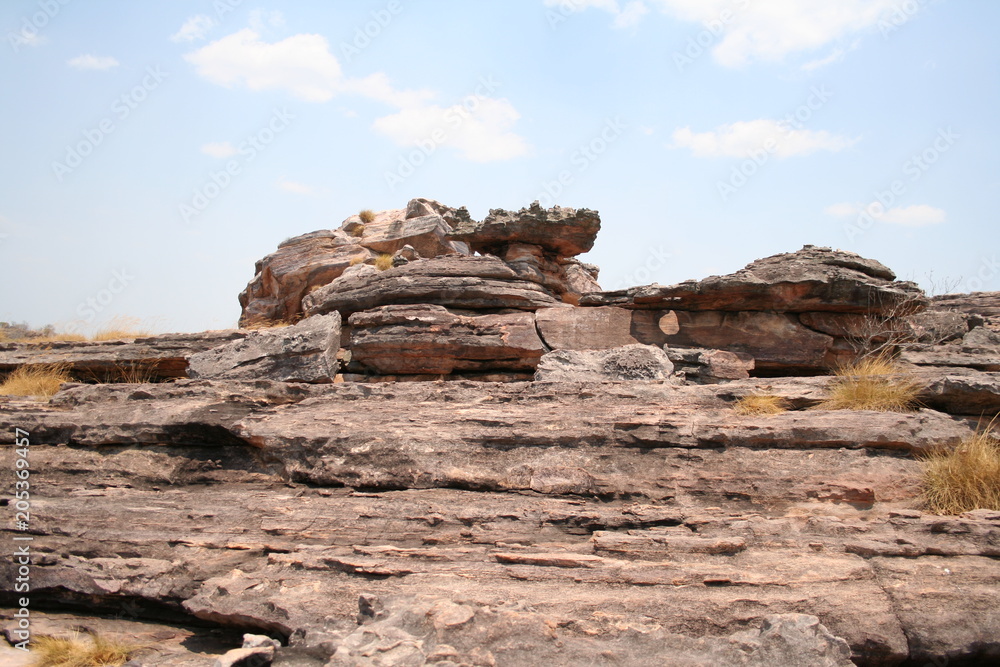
(40, 380)
(760, 404)
(358, 259)
(138, 373)
(97, 651)
(875, 383)
(367, 216)
(383, 262)
(964, 478)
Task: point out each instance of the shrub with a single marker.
(41, 380)
(367, 216)
(357, 230)
(760, 404)
(383, 262)
(874, 383)
(98, 651)
(964, 478)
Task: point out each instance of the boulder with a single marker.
(630, 362)
(299, 265)
(454, 281)
(565, 232)
(426, 234)
(810, 280)
(304, 352)
(704, 366)
(431, 340)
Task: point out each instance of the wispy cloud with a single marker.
(92, 62)
(220, 149)
(194, 28)
(740, 138)
(753, 30)
(917, 215)
(303, 66)
(483, 134)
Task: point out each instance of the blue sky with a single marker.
(152, 152)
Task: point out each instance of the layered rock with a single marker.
(587, 523)
(431, 340)
(304, 352)
(809, 280)
(564, 232)
(472, 283)
(157, 357)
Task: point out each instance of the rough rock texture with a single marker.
(299, 265)
(588, 523)
(811, 279)
(984, 307)
(565, 232)
(303, 352)
(423, 339)
(456, 281)
(630, 362)
(705, 366)
(162, 357)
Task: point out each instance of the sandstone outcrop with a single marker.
(481, 459)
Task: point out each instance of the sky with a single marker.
(153, 151)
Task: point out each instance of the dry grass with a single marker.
(964, 478)
(40, 380)
(367, 216)
(96, 651)
(760, 404)
(119, 328)
(875, 383)
(54, 338)
(383, 262)
(134, 373)
(358, 259)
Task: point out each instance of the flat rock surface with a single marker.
(589, 523)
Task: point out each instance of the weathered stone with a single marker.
(630, 362)
(160, 357)
(456, 281)
(938, 326)
(985, 305)
(420, 207)
(809, 280)
(247, 657)
(426, 234)
(776, 341)
(590, 328)
(303, 352)
(425, 339)
(299, 265)
(564, 231)
(960, 391)
(710, 366)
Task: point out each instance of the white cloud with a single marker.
(480, 132)
(756, 29)
(743, 137)
(92, 62)
(293, 187)
(301, 64)
(835, 56)
(918, 215)
(194, 28)
(304, 66)
(219, 149)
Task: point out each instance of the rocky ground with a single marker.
(557, 481)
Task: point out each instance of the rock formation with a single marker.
(563, 478)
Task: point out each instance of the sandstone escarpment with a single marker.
(565, 477)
